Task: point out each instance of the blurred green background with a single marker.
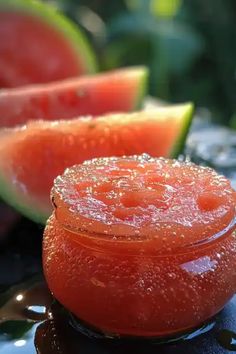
(189, 46)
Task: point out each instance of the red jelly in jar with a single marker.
(142, 247)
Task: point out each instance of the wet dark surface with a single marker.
(32, 322)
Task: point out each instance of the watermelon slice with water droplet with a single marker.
(38, 44)
(33, 155)
(120, 90)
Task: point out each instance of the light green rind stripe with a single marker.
(11, 198)
(143, 85)
(186, 120)
(55, 19)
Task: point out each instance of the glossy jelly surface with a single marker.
(140, 246)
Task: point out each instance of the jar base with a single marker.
(95, 333)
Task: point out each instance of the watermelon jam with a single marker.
(139, 246)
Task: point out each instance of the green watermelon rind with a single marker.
(9, 196)
(187, 118)
(51, 16)
(11, 199)
(143, 84)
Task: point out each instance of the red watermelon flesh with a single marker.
(116, 91)
(39, 45)
(32, 156)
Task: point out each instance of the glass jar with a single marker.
(123, 286)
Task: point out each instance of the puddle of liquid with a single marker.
(23, 307)
(93, 333)
(27, 303)
(227, 339)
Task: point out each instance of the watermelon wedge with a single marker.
(38, 44)
(116, 91)
(33, 155)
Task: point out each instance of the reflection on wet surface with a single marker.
(214, 146)
(227, 339)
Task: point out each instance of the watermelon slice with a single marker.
(116, 91)
(39, 45)
(33, 155)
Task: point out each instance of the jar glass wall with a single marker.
(122, 287)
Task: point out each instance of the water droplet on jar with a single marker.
(172, 275)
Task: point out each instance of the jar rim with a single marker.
(187, 247)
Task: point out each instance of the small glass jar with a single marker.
(123, 286)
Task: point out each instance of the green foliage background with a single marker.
(189, 45)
